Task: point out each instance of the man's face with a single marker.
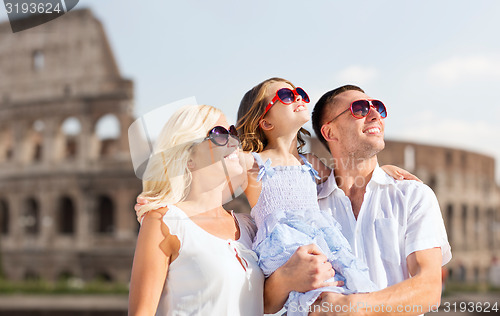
(358, 138)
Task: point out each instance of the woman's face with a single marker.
(215, 161)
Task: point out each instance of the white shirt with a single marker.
(396, 219)
(211, 275)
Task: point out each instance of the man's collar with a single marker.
(327, 187)
(330, 185)
(379, 176)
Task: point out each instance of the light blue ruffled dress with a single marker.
(287, 216)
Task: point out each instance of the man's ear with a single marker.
(327, 132)
(265, 125)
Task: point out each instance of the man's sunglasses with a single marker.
(361, 108)
(287, 96)
(219, 135)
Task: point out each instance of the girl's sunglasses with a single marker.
(361, 108)
(219, 135)
(287, 96)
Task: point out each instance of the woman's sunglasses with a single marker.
(219, 135)
(361, 108)
(287, 96)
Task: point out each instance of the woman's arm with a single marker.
(154, 251)
(324, 171)
(399, 173)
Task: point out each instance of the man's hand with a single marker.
(325, 304)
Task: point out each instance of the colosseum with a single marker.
(67, 192)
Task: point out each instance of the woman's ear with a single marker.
(190, 164)
(327, 132)
(265, 125)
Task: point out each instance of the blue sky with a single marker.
(436, 64)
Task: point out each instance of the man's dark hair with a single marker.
(320, 109)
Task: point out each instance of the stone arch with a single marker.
(105, 215)
(104, 276)
(463, 219)
(409, 158)
(460, 272)
(491, 229)
(38, 60)
(34, 142)
(65, 275)
(66, 216)
(477, 227)
(107, 131)
(31, 275)
(476, 273)
(31, 217)
(449, 223)
(448, 158)
(6, 145)
(433, 182)
(70, 130)
(4, 217)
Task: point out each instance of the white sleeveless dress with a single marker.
(207, 278)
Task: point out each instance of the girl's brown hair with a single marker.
(250, 112)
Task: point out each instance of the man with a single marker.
(395, 227)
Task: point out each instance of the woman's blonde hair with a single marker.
(250, 112)
(167, 178)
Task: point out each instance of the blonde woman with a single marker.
(192, 256)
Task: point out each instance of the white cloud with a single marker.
(458, 69)
(357, 74)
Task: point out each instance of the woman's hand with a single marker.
(399, 173)
(141, 201)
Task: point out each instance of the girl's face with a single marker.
(285, 113)
(216, 160)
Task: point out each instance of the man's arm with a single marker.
(307, 269)
(417, 295)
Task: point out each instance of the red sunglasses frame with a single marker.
(276, 98)
(370, 103)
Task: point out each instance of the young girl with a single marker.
(282, 190)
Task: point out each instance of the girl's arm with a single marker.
(154, 251)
